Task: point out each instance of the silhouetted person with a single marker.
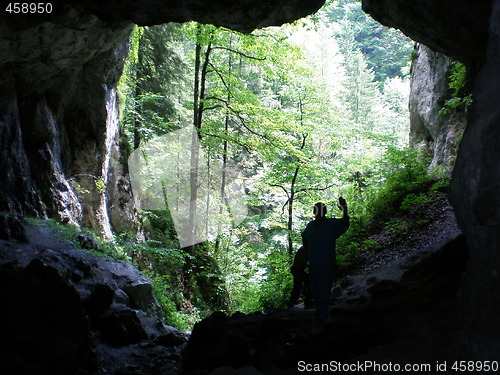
(319, 239)
(300, 278)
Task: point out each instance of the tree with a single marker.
(303, 118)
(360, 90)
(152, 76)
(386, 51)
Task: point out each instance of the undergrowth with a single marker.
(403, 188)
(189, 284)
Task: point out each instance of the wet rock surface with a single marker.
(66, 311)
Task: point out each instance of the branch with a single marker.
(210, 108)
(241, 53)
(304, 137)
(242, 120)
(269, 36)
(220, 76)
(228, 139)
(284, 189)
(283, 208)
(314, 189)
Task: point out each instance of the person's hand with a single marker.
(342, 203)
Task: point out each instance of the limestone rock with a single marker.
(430, 130)
(456, 28)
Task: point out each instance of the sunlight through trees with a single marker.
(305, 111)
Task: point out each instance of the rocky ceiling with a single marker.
(457, 28)
(242, 15)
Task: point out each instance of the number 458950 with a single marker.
(32, 8)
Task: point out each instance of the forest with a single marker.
(233, 137)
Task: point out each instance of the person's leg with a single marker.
(308, 303)
(321, 288)
(297, 284)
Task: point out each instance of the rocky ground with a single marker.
(66, 311)
(399, 307)
(70, 312)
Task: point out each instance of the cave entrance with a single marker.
(234, 137)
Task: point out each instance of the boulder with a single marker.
(11, 228)
(66, 310)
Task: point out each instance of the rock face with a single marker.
(476, 197)
(66, 311)
(59, 126)
(475, 190)
(440, 134)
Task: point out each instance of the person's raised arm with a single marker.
(343, 206)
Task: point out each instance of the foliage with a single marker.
(151, 83)
(307, 112)
(276, 290)
(405, 173)
(413, 202)
(386, 50)
(399, 188)
(459, 86)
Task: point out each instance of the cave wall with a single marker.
(59, 115)
(476, 197)
(469, 32)
(435, 134)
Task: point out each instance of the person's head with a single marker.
(319, 210)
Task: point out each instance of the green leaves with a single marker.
(458, 84)
(304, 110)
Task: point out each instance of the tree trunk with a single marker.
(291, 197)
(199, 96)
(224, 154)
(137, 95)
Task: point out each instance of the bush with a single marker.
(405, 173)
(275, 291)
(398, 189)
(171, 312)
(413, 202)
